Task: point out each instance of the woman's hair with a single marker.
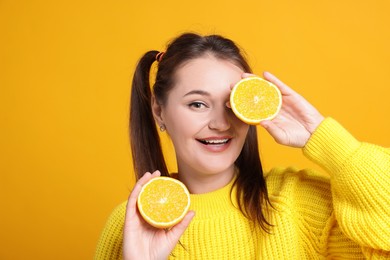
(146, 149)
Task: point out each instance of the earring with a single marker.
(162, 128)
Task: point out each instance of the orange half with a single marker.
(255, 99)
(163, 202)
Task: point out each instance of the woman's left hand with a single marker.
(296, 120)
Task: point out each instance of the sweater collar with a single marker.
(215, 203)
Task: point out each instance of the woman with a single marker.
(237, 211)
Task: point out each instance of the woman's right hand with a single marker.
(141, 240)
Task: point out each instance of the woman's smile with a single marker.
(215, 144)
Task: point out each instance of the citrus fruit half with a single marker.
(163, 202)
(255, 99)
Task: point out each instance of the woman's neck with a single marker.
(203, 183)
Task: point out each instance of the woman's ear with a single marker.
(157, 111)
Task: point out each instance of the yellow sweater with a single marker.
(345, 215)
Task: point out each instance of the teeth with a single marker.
(221, 141)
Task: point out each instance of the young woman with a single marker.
(237, 210)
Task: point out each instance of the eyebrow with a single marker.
(197, 92)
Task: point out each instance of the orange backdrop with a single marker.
(65, 72)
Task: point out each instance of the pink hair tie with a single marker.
(159, 56)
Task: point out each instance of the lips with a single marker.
(214, 141)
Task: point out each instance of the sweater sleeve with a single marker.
(360, 184)
(109, 246)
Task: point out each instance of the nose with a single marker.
(220, 119)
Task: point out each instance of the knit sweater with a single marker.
(344, 214)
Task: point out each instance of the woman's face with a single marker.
(206, 134)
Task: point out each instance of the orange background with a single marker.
(65, 72)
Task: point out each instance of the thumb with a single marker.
(175, 232)
(278, 134)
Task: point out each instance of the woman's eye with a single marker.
(197, 105)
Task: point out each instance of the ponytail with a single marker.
(144, 138)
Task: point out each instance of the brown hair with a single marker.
(145, 142)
